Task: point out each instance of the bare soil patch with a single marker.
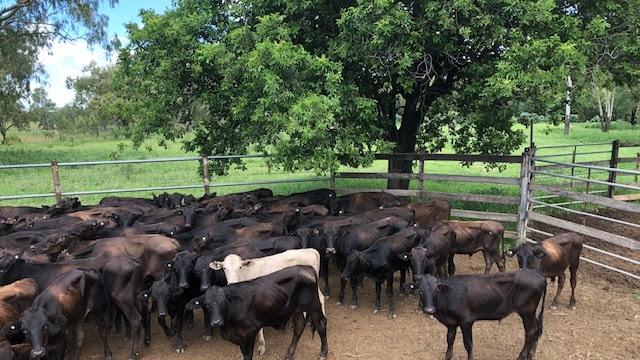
(605, 325)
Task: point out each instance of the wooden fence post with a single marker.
(637, 166)
(573, 161)
(332, 180)
(205, 174)
(421, 174)
(57, 189)
(588, 178)
(613, 164)
(526, 172)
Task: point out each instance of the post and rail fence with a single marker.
(540, 178)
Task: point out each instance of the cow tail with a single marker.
(540, 317)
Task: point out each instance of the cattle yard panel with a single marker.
(578, 197)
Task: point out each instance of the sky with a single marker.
(66, 59)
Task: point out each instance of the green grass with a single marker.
(38, 146)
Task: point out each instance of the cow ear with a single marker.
(403, 257)
(216, 265)
(56, 323)
(195, 303)
(443, 288)
(539, 252)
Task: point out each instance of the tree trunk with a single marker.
(3, 132)
(609, 98)
(567, 107)
(634, 113)
(406, 140)
(596, 91)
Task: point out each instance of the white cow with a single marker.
(238, 270)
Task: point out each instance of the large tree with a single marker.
(322, 83)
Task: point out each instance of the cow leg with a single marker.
(179, 324)
(560, 286)
(133, 317)
(467, 336)
(163, 324)
(76, 340)
(392, 305)
(262, 345)
(499, 260)
(403, 280)
(188, 318)
(208, 330)
(354, 294)
(530, 335)
(451, 338)
(574, 282)
(324, 263)
(452, 265)
(298, 329)
(104, 327)
(376, 307)
(146, 324)
(246, 346)
(488, 261)
(118, 321)
(320, 323)
(343, 285)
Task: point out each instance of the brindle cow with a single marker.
(474, 236)
(552, 257)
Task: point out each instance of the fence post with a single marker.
(637, 166)
(57, 189)
(421, 174)
(332, 180)
(588, 178)
(573, 161)
(613, 164)
(526, 172)
(205, 174)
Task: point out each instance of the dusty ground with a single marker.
(605, 325)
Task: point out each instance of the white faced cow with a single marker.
(238, 270)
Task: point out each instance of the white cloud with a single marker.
(63, 60)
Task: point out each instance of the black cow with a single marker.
(242, 309)
(459, 301)
(359, 237)
(431, 256)
(58, 314)
(380, 261)
(363, 201)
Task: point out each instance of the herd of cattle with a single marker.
(251, 260)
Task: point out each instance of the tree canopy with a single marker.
(317, 84)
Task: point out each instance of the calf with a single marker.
(61, 309)
(474, 236)
(380, 261)
(552, 257)
(242, 309)
(19, 294)
(459, 301)
(359, 237)
(430, 257)
(238, 270)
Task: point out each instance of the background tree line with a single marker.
(317, 84)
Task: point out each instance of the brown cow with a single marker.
(363, 201)
(430, 213)
(474, 236)
(552, 257)
(19, 294)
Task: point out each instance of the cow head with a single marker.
(203, 271)
(356, 263)
(529, 256)
(7, 263)
(215, 302)
(430, 288)
(422, 262)
(189, 213)
(54, 244)
(304, 234)
(182, 266)
(37, 327)
(232, 265)
(162, 293)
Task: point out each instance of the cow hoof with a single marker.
(327, 296)
(353, 307)
(572, 307)
(261, 350)
(322, 357)
(431, 317)
(339, 303)
(392, 316)
(375, 311)
(180, 350)
(554, 307)
(419, 312)
(147, 342)
(206, 337)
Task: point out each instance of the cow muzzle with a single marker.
(204, 287)
(184, 285)
(37, 353)
(215, 323)
(331, 251)
(429, 310)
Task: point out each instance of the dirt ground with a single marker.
(605, 325)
